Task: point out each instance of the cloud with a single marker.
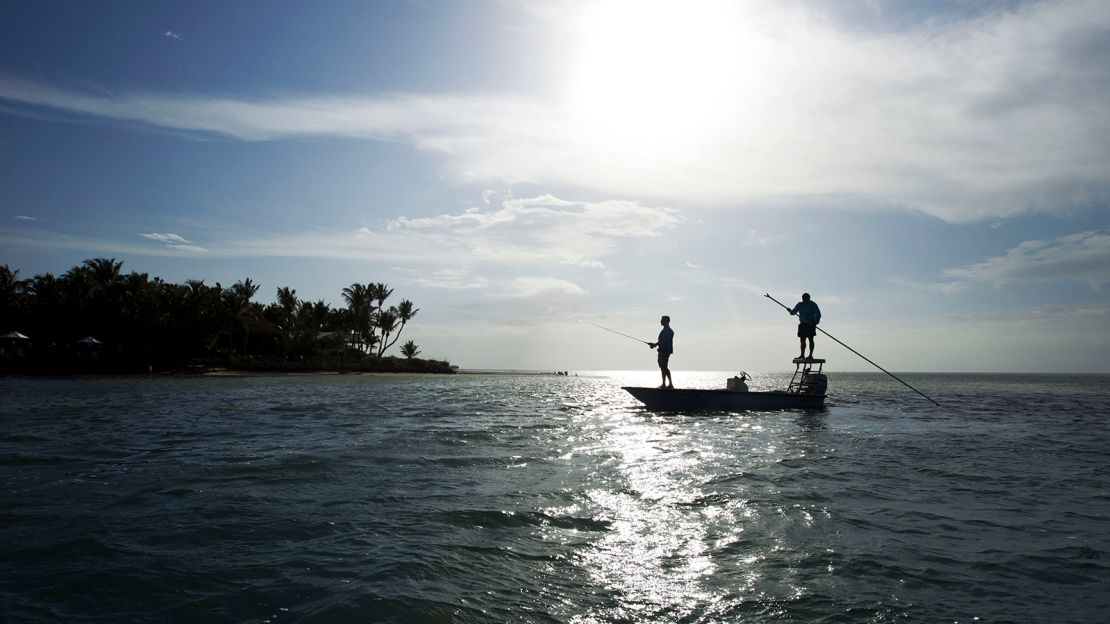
(538, 231)
(452, 279)
(542, 287)
(172, 35)
(944, 288)
(542, 229)
(1083, 257)
(173, 241)
(441, 123)
(166, 238)
(691, 265)
(24, 218)
(972, 117)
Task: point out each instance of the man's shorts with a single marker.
(807, 330)
(664, 358)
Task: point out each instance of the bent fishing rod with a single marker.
(620, 334)
(858, 353)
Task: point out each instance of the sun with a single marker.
(654, 73)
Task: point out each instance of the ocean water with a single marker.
(541, 498)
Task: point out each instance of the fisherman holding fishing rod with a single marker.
(666, 348)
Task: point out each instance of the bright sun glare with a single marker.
(654, 73)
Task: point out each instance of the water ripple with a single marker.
(550, 499)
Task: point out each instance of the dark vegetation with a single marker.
(96, 319)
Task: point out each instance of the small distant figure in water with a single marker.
(666, 348)
(809, 315)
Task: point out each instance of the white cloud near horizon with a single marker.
(539, 231)
(968, 120)
(1083, 257)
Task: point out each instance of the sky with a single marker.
(936, 175)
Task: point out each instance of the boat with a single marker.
(806, 391)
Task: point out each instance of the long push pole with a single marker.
(859, 354)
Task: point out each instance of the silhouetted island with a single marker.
(94, 319)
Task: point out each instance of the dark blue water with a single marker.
(493, 498)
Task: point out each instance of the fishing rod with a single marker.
(620, 334)
(858, 353)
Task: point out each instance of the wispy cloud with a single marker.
(541, 229)
(542, 287)
(538, 231)
(452, 279)
(169, 34)
(174, 241)
(24, 218)
(1083, 257)
(944, 288)
(166, 238)
(973, 119)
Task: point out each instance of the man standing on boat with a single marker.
(666, 348)
(809, 315)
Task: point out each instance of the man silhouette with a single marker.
(809, 315)
(666, 348)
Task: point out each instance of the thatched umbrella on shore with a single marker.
(12, 343)
(88, 347)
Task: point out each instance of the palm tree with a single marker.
(78, 286)
(387, 321)
(134, 320)
(105, 271)
(10, 284)
(312, 318)
(287, 300)
(207, 315)
(47, 307)
(239, 299)
(379, 292)
(409, 350)
(360, 306)
(244, 290)
(287, 304)
(12, 293)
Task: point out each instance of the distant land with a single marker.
(96, 319)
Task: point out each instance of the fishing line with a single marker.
(620, 334)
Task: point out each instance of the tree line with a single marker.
(139, 316)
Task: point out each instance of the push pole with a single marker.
(858, 353)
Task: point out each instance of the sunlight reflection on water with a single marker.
(542, 498)
(653, 480)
